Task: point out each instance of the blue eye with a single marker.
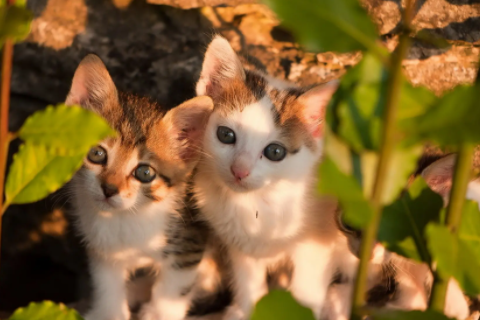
(144, 174)
(275, 152)
(226, 135)
(97, 155)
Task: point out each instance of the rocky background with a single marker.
(155, 48)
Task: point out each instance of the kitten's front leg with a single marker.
(312, 274)
(171, 294)
(109, 294)
(250, 285)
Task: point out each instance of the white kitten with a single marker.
(255, 183)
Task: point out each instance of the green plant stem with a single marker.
(7, 58)
(461, 178)
(386, 151)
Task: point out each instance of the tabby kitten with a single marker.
(129, 196)
(255, 181)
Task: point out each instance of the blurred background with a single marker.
(155, 48)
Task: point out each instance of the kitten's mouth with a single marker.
(238, 186)
(104, 203)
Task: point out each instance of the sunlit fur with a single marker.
(271, 216)
(145, 224)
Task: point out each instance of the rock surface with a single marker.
(157, 51)
(189, 4)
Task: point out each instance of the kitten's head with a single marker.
(154, 150)
(260, 131)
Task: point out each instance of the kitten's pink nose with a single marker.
(239, 173)
(109, 190)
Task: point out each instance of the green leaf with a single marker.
(65, 127)
(280, 305)
(18, 3)
(46, 310)
(402, 165)
(37, 171)
(359, 170)
(14, 23)
(408, 315)
(454, 257)
(469, 230)
(356, 111)
(357, 211)
(403, 222)
(452, 121)
(328, 25)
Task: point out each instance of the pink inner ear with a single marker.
(188, 138)
(316, 126)
(79, 90)
(441, 184)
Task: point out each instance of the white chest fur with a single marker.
(128, 238)
(257, 223)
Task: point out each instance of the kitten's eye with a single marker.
(97, 155)
(144, 174)
(275, 152)
(226, 135)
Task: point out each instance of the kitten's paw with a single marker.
(234, 313)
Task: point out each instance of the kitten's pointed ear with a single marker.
(186, 124)
(220, 65)
(439, 175)
(92, 86)
(315, 102)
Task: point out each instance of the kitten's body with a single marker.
(130, 197)
(264, 210)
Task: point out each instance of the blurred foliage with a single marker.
(46, 310)
(14, 22)
(280, 305)
(413, 222)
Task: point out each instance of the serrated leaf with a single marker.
(37, 171)
(453, 120)
(328, 25)
(280, 305)
(14, 23)
(403, 222)
(357, 212)
(408, 315)
(46, 310)
(65, 127)
(454, 257)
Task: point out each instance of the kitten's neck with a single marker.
(260, 222)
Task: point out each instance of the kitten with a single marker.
(255, 182)
(130, 196)
(410, 281)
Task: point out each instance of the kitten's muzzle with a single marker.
(109, 190)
